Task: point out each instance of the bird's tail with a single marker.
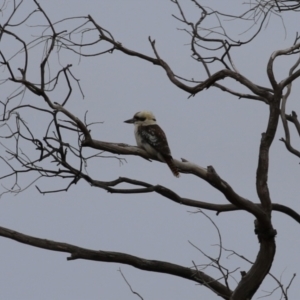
(169, 161)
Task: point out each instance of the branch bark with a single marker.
(122, 258)
(170, 194)
(271, 96)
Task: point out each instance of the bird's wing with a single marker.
(155, 136)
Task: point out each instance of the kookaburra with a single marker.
(152, 138)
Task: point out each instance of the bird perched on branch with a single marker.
(152, 138)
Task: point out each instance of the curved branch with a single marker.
(290, 79)
(266, 234)
(262, 92)
(240, 95)
(270, 72)
(294, 119)
(123, 258)
(184, 166)
(287, 140)
(170, 194)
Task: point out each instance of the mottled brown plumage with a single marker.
(152, 138)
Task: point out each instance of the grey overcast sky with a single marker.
(212, 128)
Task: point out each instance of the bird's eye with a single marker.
(140, 119)
(154, 120)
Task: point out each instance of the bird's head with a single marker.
(142, 118)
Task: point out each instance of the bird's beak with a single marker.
(130, 121)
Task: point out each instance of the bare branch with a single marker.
(287, 140)
(133, 292)
(118, 257)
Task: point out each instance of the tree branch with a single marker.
(170, 194)
(122, 258)
(261, 92)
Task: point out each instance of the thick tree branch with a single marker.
(266, 234)
(263, 159)
(217, 48)
(122, 258)
(209, 174)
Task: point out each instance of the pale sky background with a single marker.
(212, 128)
